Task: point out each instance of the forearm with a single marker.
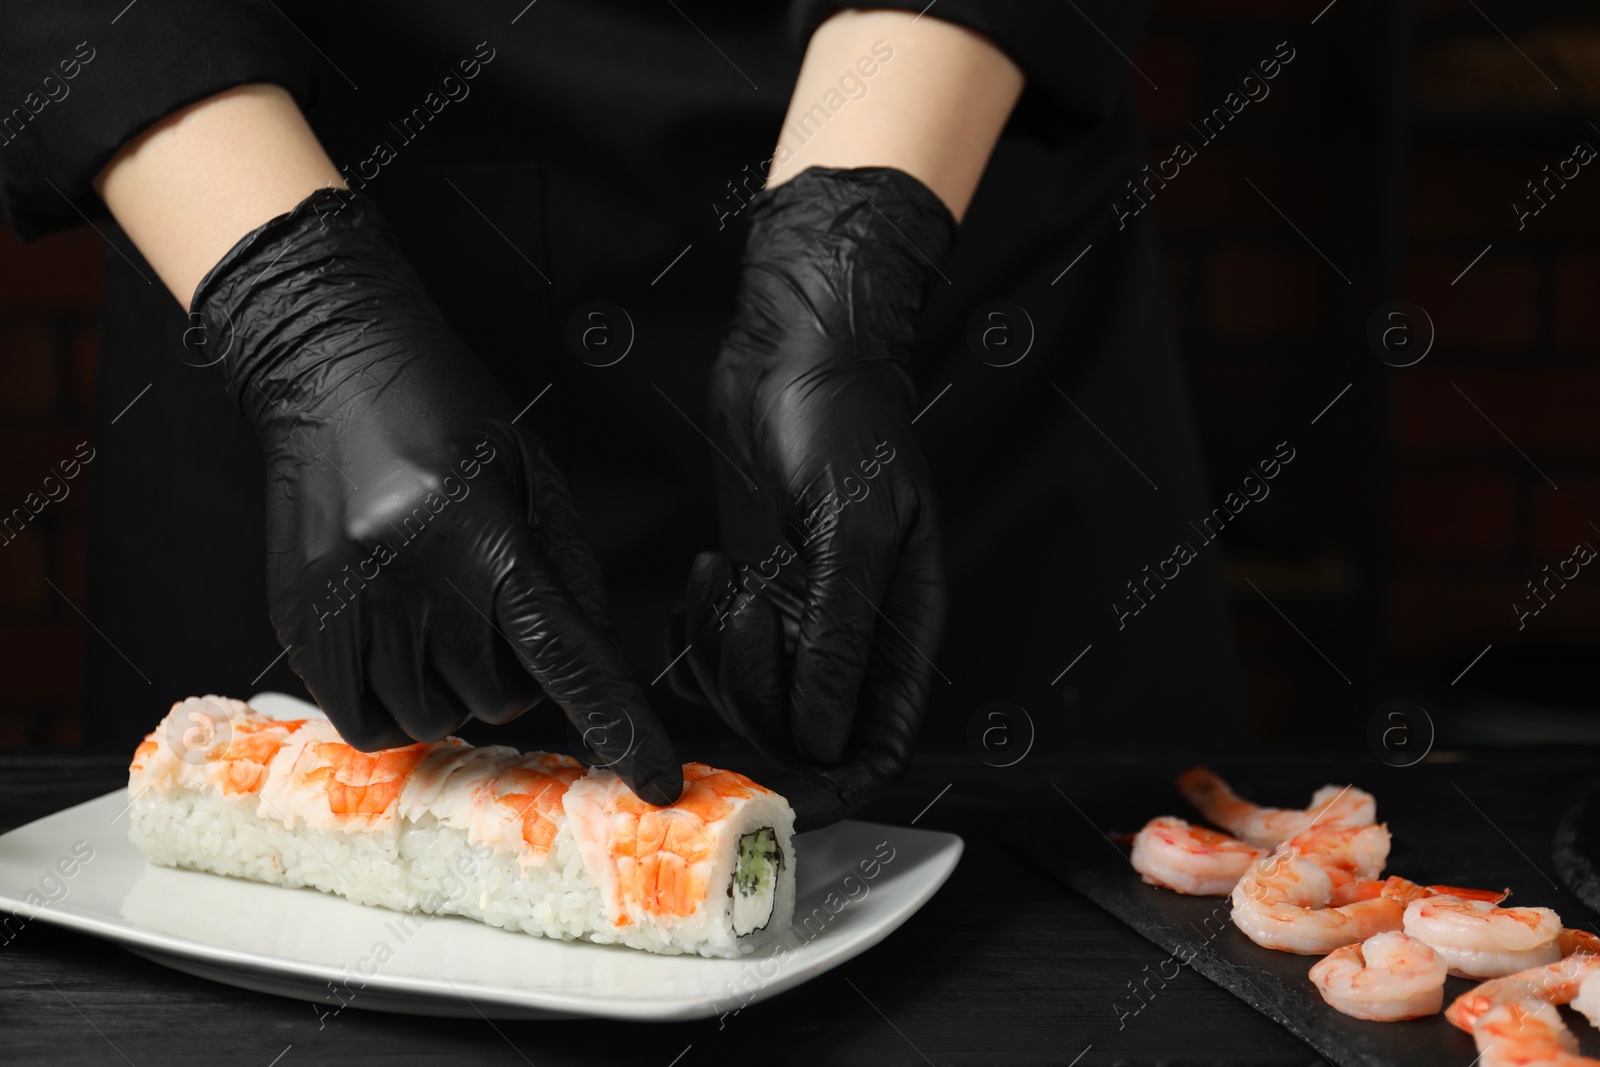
(934, 108)
(189, 187)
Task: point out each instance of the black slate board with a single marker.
(1196, 932)
(1577, 847)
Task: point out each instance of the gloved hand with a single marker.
(424, 560)
(813, 634)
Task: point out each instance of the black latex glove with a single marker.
(424, 560)
(813, 633)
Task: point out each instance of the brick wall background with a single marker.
(1397, 545)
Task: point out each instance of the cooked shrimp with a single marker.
(1527, 1033)
(1587, 1000)
(318, 778)
(242, 766)
(652, 862)
(1405, 891)
(1480, 940)
(501, 799)
(227, 743)
(533, 791)
(362, 783)
(1350, 855)
(426, 790)
(1191, 859)
(1577, 941)
(1354, 856)
(1331, 806)
(1282, 903)
(1386, 978)
(1554, 983)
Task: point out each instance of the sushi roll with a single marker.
(533, 841)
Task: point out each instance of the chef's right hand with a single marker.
(826, 667)
(425, 563)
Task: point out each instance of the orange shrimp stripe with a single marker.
(535, 797)
(660, 852)
(242, 766)
(363, 783)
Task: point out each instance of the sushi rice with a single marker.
(533, 842)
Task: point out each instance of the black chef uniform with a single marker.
(536, 157)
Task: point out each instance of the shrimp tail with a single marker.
(1404, 890)
(1465, 1011)
(1573, 941)
(1493, 896)
(1363, 889)
(1202, 787)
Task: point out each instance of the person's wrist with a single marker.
(254, 302)
(868, 207)
(186, 187)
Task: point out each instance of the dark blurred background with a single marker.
(1385, 164)
(1398, 148)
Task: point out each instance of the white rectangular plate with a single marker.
(295, 942)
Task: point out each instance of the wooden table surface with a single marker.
(1003, 966)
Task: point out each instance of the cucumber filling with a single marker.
(755, 880)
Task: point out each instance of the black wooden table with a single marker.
(1003, 966)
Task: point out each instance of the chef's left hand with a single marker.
(813, 634)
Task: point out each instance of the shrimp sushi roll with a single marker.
(533, 842)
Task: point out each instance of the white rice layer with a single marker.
(418, 865)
